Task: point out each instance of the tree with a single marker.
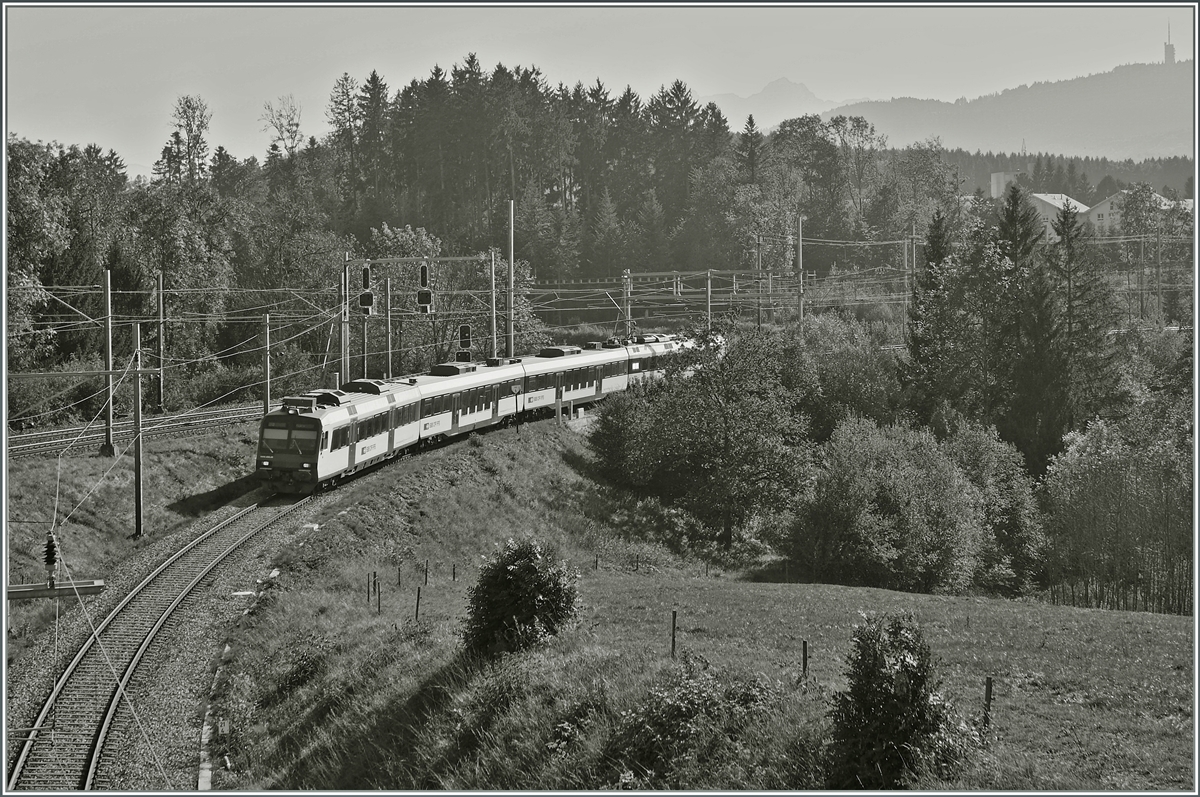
(283, 123)
(890, 510)
(750, 144)
(192, 118)
(1086, 363)
(37, 232)
(727, 445)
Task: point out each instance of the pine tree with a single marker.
(1086, 313)
(749, 149)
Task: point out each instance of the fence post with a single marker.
(417, 613)
(804, 658)
(987, 702)
(674, 612)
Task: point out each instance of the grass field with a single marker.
(329, 689)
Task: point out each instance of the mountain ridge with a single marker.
(1134, 111)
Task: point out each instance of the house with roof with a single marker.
(1049, 206)
(1105, 215)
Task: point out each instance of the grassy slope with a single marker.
(183, 477)
(326, 693)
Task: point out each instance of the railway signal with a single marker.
(424, 294)
(366, 299)
(464, 336)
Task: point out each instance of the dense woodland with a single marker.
(1024, 440)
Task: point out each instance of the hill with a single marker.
(327, 691)
(1136, 111)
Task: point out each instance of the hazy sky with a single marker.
(110, 75)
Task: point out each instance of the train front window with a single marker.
(273, 440)
(276, 438)
(304, 440)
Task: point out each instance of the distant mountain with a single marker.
(781, 99)
(1136, 111)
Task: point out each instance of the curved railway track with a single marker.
(87, 439)
(65, 749)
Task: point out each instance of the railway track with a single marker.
(86, 439)
(68, 745)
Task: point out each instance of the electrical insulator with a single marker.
(51, 553)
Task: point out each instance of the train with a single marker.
(314, 440)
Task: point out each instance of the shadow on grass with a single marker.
(202, 503)
(776, 571)
(392, 735)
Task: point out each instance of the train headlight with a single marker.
(264, 463)
(306, 465)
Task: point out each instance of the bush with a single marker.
(521, 598)
(890, 724)
(890, 510)
(690, 722)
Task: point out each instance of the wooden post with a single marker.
(368, 589)
(426, 572)
(708, 296)
(417, 613)
(597, 567)
(454, 571)
(137, 431)
(378, 610)
(804, 658)
(674, 612)
(987, 702)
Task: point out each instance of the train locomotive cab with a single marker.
(288, 445)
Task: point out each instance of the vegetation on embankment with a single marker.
(92, 499)
(329, 689)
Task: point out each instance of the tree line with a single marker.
(602, 181)
(1016, 446)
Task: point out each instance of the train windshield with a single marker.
(288, 435)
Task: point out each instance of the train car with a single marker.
(571, 375)
(459, 397)
(313, 440)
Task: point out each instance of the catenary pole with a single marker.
(387, 287)
(493, 252)
(162, 341)
(512, 352)
(106, 449)
(266, 363)
(137, 431)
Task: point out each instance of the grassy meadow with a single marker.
(331, 686)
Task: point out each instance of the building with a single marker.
(1105, 215)
(1049, 206)
(1168, 48)
(1000, 181)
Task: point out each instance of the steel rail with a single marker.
(71, 762)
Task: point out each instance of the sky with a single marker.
(110, 75)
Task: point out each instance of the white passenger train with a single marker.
(315, 439)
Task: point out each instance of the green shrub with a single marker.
(684, 726)
(890, 724)
(521, 598)
(889, 509)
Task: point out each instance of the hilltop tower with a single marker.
(1168, 48)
